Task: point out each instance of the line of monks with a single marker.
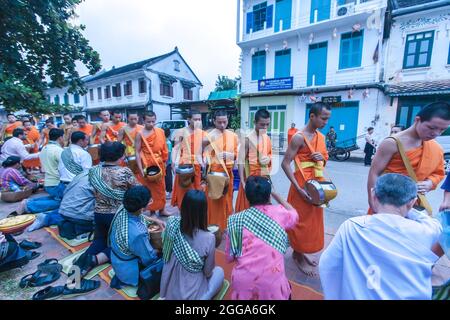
(218, 150)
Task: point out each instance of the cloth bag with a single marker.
(150, 280)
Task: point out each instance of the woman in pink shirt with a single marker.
(10, 177)
(256, 239)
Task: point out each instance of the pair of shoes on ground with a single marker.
(30, 245)
(67, 291)
(47, 272)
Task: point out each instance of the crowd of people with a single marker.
(113, 179)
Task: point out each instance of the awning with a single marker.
(167, 79)
(418, 88)
(187, 84)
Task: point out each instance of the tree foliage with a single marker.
(224, 83)
(39, 42)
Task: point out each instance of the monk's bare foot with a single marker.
(307, 264)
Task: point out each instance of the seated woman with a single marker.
(189, 271)
(256, 239)
(131, 250)
(11, 178)
(110, 181)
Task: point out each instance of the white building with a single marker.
(418, 64)
(152, 84)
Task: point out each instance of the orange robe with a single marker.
(157, 142)
(308, 234)
(67, 132)
(254, 168)
(113, 131)
(45, 132)
(9, 128)
(426, 160)
(219, 210)
(32, 136)
(129, 137)
(194, 140)
(86, 129)
(291, 133)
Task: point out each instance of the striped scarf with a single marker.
(69, 162)
(96, 180)
(173, 240)
(120, 223)
(261, 226)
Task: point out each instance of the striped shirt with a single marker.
(9, 175)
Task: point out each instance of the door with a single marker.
(283, 12)
(317, 64)
(344, 119)
(320, 10)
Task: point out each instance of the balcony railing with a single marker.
(357, 7)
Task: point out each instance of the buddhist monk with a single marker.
(83, 126)
(127, 135)
(111, 131)
(67, 127)
(424, 153)
(32, 137)
(151, 151)
(222, 150)
(8, 128)
(309, 153)
(99, 127)
(255, 156)
(188, 150)
(293, 130)
(49, 124)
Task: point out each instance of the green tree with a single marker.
(38, 41)
(224, 83)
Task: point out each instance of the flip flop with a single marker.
(49, 293)
(86, 286)
(30, 245)
(31, 255)
(50, 266)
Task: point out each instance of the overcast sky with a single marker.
(127, 31)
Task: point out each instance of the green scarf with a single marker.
(173, 240)
(96, 180)
(261, 226)
(69, 162)
(120, 224)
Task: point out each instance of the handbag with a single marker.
(150, 280)
(218, 182)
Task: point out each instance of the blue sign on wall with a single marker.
(276, 84)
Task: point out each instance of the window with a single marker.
(57, 99)
(188, 94)
(128, 88)
(277, 118)
(320, 10)
(91, 94)
(116, 91)
(418, 50)
(76, 98)
(176, 64)
(142, 85)
(99, 93)
(66, 99)
(166, 90)
(261, 13)
(107, 92)
(283, 63)
(283, 14)
(351, 50)
(259, 65)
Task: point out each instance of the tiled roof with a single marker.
(129, 67)
(418, 88)
(220, 95)
(399, 4)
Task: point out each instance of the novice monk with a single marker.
(188, 150)
(7, 129)
(131, 250)
(151, 151)
(127, 136)
(67, 127)
(221, 152)
(49, 125)
(255, 156)
(32, 140)
(100, 127)
(83, 126)
(256, 239)
(111, 132)
(308, 150)
(189, 271)
(424, 153)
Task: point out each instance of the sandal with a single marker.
(31, 255)
(86, 286)
(36, 280)
(50, 266)
(49, 293)
(30, 245)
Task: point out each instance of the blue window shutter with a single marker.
(283, 11)
(269, 16)
(448, 59)
(344, 54)
(283, 64)
(356, 52)
(254, 68)
(249, 21)
(262, 66)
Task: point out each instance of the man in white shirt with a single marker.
(15, 147)
(385, 256)
(74, 158)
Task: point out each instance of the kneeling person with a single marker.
(129, 241)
